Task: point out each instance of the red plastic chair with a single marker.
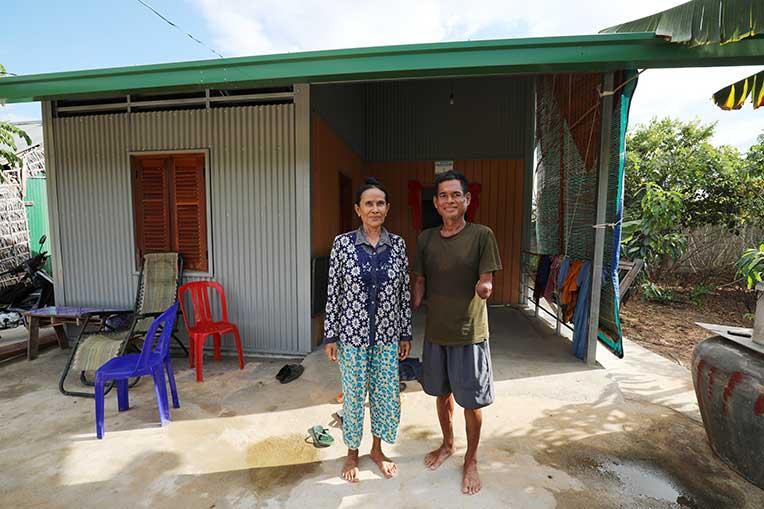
(202, 324)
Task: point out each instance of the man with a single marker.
(455, 264)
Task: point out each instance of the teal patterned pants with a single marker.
(372, 370)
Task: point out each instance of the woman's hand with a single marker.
(331, 351)
(404, 348)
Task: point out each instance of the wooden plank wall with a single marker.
(331, 156)
(501, 202)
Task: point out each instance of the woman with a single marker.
(368, 326)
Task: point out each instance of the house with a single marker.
(247, 165)
(23, 201)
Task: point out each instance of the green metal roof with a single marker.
(601, 52)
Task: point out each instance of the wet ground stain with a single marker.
(280, 463)
(664, 462)
(419, 433)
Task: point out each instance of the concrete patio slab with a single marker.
(561, 434)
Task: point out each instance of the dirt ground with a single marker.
(669, 329)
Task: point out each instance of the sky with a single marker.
(51, 35)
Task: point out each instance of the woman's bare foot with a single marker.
(386, 466)
(436, 458)
(350, 468)
(471, 480)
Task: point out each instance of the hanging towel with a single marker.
(581, 314)
(551, 283)
(569, 293)
(560, 280)
(542, 276)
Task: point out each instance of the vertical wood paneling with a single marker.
(500, 209)
(330, 157)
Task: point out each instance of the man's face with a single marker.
(450, 201)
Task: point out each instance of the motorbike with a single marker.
(33, 290)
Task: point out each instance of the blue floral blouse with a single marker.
(368, 298)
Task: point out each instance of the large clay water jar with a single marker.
(729, 384)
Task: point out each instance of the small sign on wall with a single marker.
(443, 166)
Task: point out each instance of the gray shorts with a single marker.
(464, 371)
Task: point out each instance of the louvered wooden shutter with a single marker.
(190, 210)
(151, 196)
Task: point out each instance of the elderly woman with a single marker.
(368, 326)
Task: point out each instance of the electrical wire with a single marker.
(164, 18)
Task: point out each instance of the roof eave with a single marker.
(537, 55)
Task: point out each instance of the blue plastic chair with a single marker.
(153, 360)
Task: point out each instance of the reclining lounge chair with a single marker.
(158, 283)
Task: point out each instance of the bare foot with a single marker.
(436, 458)
(386, 466)
(350, 468)
(471, 481)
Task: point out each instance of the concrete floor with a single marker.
(561, 434)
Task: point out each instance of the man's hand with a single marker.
(404, 348)
(484, 287)
(331, 351)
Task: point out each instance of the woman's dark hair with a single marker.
(452, 175)
(369, 183)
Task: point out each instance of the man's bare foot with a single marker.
(471, 480)
(436, 458)
(350, 468)
(386, 466)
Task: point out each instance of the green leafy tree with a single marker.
(8, 135)
(676, 180)
(654, 237)
(751, 265)
(753, 196)
(717, 185)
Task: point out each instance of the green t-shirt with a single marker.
(451, 267)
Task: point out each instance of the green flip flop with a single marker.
(321, 436)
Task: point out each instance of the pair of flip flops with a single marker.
(289, 372)
(320, 436)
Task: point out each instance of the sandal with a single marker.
(339, 417)
(290, 372)
(321, 436)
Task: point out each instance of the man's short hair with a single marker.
(452, 175)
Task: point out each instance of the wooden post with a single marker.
(34, 338)
(606, 112)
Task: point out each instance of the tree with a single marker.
(716, 184)
(8, 135)
(755, 157)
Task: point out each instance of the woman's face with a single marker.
(373, 208)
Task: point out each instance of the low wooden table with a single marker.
(57, 317)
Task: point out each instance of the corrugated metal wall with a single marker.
(253, 218)
(343, 106)
(414, 120)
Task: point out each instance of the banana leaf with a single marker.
(734, 96)
(700, 22)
